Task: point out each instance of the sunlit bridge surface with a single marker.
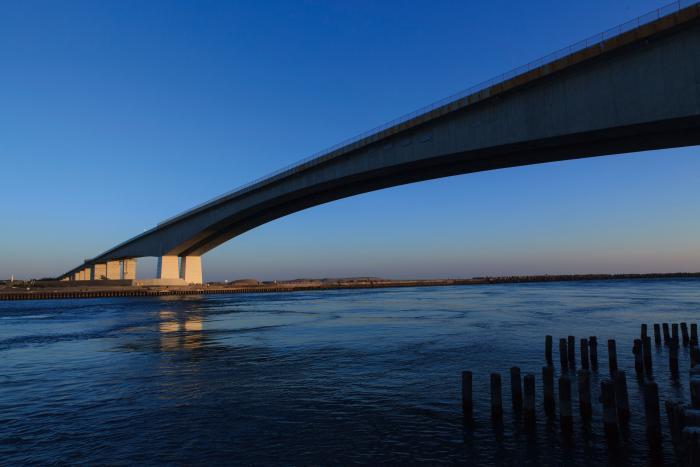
(302, 378)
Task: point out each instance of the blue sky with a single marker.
(118, 114)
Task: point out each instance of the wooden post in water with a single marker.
(548, 350)
(667, 335)
(676, 422)
(673, 357)
(693, 334)
(694, 356)
(621, 397)
(516, 391)
(548, 390)
(651, 412)
(496, 398)
(646, 346)
(643, 332)
(607, 397)
(638, 358)
(584, 393)
(571, 352)
(691, 416)
(584, 354)
(467, 397)
(695, 391)
(563, 359)
(684, 333)
(529, 405)
(674, 332)
(612, 356)
(593, 344)
(691, 442)
(565, 416)
(657, 334)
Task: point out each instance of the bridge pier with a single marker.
(113, 270)
(168, 267)
(99, 272)
(129, 269)
(187, 268)
(191, 269)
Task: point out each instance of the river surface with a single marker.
(316, 378)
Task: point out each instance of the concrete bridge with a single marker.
(634, 88)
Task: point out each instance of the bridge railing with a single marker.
(561, 53)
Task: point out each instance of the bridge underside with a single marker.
(607, 142)
(639, 93)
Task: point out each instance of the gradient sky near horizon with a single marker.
(115, 115)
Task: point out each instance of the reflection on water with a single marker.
(335, 377)
(180, 330)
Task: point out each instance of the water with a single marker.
(333, 377)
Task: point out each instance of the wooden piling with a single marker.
(612, 356)
(691, 443)
(651, 412)
(571, 352)
(584, 354)
(621, 396)
(607, 397)
(691, 417)
(548, 390)
(676, 422)
(529, 403)
(563, 359)
(694, 356)
(667, 335)
(565, 415)
(693, 334)
(694, 385)
(638, 358)
(496, 397)
(584, 393)
(516, 390)
(684, 334)
(646, 348)
(548, 350)
(657, 334)
(673, 357)
(593, 347)
(674, 332)
(467, 397)
(643, 332)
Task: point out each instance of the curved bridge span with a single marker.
(631, 89)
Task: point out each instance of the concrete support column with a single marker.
(99, 272)
(168, 267)
(76, 275)
(85, 274)
(191, 269)
(129, 269)
(113, 270)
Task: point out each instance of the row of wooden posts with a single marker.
(684, 421)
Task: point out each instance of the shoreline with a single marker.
(37, 292)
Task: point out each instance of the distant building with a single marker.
(245, 282)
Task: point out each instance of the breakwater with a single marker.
(35, 290)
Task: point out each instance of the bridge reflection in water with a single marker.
(180, 330)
